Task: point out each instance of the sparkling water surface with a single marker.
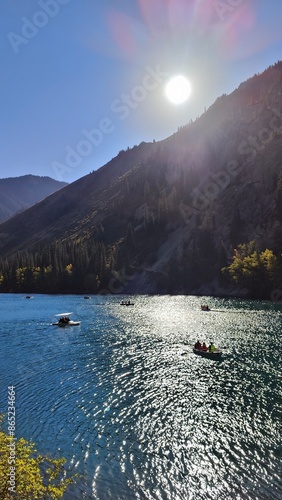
(134, 411)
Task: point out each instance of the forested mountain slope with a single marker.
(165, 217)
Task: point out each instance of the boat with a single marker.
(126, 303)
(64, 320)
(216, 354)
(205, 308)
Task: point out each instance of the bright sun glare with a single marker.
(178, 89)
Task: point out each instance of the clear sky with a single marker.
(82, 79)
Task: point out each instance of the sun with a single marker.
(178, 89)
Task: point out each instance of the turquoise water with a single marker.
(133, 410)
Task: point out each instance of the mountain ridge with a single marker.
(19, 193)
(165, 217)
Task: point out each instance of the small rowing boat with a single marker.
(216, 354)
(205, 308)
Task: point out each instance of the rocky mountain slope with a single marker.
(164, 217)
(19, 193)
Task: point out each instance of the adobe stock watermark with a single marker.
(31, 27)
(276, 296)
(121, 107)
(120, 279)
(117, 283)
(224, 8)
(213, 184)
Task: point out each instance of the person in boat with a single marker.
(198, 345)
(64, 319)
(204, 347)
(211, 347)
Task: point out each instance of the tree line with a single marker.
(61, 267)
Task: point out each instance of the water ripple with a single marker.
(137, 415)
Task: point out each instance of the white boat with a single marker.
(64, 320)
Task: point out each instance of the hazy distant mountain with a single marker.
(162, 217)
(20, 193)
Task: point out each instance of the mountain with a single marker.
(19, 193)
(165, 217)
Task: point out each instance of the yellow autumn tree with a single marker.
(35, 477)
(253, 269)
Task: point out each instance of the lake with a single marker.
(134, 411)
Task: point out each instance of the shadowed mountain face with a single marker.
(19, 193)
(163, 217)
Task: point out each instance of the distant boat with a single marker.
(64, 320)
(87, 297)
(205, 308)
(29, 297)
(216, 354)
(126, 303)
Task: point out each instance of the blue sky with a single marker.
(82, 79)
